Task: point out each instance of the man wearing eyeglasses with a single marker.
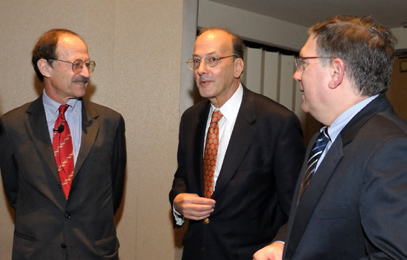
(63, 160)
(239, 156)
(352, 205)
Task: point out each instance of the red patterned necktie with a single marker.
(211, 153)
(63, 150)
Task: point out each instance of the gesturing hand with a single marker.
(191, 206)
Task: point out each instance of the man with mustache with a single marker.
(63, 160)
(237, 194)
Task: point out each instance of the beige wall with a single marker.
(137, 46)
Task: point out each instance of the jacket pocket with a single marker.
(107, 246)
(20, 235)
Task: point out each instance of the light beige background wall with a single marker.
(137, 46)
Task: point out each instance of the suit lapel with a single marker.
(90, 129)
(302, 213)
(240, 141)
(312, 194)
(39, 129)
(200, 140)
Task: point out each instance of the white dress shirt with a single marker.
(226, 124)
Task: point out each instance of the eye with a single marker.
(212, 59)
(304, 63)
(196, 61)
(78, 64)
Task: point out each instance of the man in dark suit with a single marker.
(353, 204)
(63, 213)
(258, 158)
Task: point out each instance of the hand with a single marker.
(273, 251)
(191, 206)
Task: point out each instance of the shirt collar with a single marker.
(51, 106)
(230, 109)
(342, 120)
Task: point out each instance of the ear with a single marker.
(337, 73)
(44, 67)
(239, 66)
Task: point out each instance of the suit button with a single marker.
(206, 221)
(67, 215)
(63, 245)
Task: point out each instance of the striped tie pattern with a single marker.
(211, 154)
(63, 150)
(315, 154)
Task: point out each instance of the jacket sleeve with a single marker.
(8, 169)
(119, 164)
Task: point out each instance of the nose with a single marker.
(201, 68)
(297, 75)
(85, 71)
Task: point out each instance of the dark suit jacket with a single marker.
(255, 186)
(47, 226)
(356, 204)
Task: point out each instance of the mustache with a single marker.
(81, 79)
(204, 79)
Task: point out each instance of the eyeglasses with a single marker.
(210, 61)
(301, 61)
(77, 65)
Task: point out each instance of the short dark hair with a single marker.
(237, 43)
(46, 48)
(366, 48)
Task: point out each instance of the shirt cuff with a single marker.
(179, 219)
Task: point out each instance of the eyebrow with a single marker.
(208, 54)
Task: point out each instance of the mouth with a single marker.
(204, 82)
(301, 87)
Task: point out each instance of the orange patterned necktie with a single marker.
(211, 153)
(63, 150)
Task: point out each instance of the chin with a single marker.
(304, 108)
(204, 93)
(80, 94)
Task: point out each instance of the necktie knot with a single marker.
(322, 140)
(63, 108)
(216, 116)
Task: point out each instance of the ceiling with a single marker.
(390, 13)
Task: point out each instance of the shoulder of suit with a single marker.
(197, 108)
(100, 109)
(267, 105)
(17, 112)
